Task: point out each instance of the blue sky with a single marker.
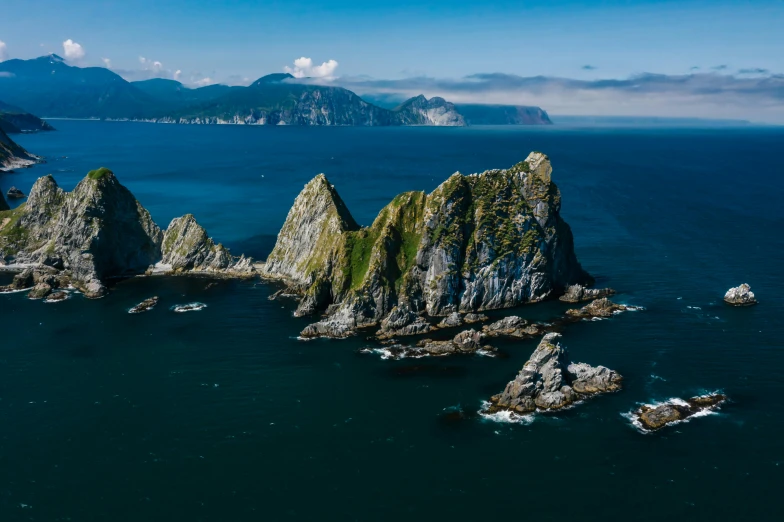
(233, 41)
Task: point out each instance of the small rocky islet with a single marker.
(654, 417)
(429, 262)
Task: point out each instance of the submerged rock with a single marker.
(578, 293)
(740, 296)
(15, 193)
(600, 308)
(479, 242)
(654, 417)
(144, 306)
(549, 382)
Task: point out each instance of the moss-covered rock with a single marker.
(477, 242)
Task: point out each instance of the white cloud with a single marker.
(3, 51)
(107, 62)
(72, 50)
(203, 82)
(177, 74)
(304, 68)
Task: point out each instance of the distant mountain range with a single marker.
(49, 87)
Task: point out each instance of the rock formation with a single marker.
(99, 231)
(740, 296)
(15, 193)
(654, 417)
(435, 111)
(187, 248)
(514, 326)
(466, 342)
(549, 382)
(578, 293)
(600, 308)
(12, 156)
(144, 306)
(479, 242)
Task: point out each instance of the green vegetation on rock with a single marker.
(99, 173)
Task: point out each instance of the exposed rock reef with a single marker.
(144, 306)
(99, 231)
(578, 293)
(514, 326)
(740, 296)
(478, 242)
(15, 193)
(549, 382)
(12, 156)
(600, 308)
(466, 342)
(655, 417)
(435, 111)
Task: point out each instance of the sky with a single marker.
(716, 58)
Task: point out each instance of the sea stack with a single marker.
(477, 242)
(740, 296)
(549, 382)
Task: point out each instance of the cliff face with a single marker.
(187, 247)
(503, 115)
(478, 242)
(435, 111)
(12, 156)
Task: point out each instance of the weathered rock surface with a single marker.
(56, 297)
(451, 320)
(435, 111)
(99, 231)
(479, 242)
(549, 382)
(466, 342)
(41, 275)
(39, 291)
(601, 308)
(578, 293)
(15, 193)
(654, 417)
(514, 326)
(740, 296)
(475, 318)
(12, 156)
(187, 248)
(144, 306)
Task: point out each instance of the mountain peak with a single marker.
(273, 78)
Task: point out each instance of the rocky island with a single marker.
(740, 296)
(654, 417)
(548, 381)
(100, 231)
(477, 242)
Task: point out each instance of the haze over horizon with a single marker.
(615, 58)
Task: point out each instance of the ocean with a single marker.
(223, 415)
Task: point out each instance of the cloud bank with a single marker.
(3, 51)
(702, 95)
(72, 51)
(304, 68)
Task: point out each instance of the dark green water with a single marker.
(222, 415)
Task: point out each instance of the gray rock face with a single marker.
(452, 320)
(39, 276)
(514, 326)
(435, 111)
(485, 241)
(186, 247)
(548, 382)
(466, 342)
(740, 296)
(652, 418)
(12, 156)
(578, 293)
(97, 231)
(601, 308)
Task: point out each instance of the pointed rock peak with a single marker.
(44, 190)
(539, 164)
(319, 188)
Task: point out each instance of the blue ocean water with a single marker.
(222, 415)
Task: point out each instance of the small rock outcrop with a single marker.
(578, 293)
(655, 417)
(549, 382)
(478, 242)
(600, 308)
(15, 193)
(451, 320)
(466, 342)
(56, 297)
(39, 291)
(514, 326)
(187, 248)
(144, 306)
(42, 276)
(740, 296)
